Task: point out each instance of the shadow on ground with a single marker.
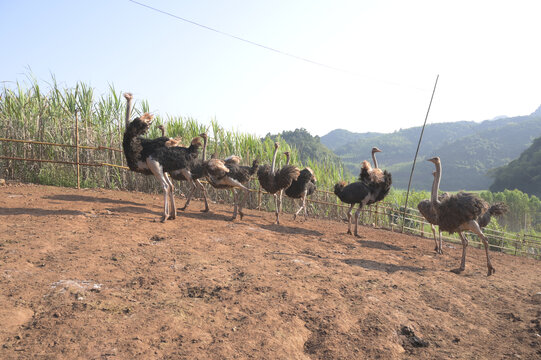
(378, 245)
(38, 212)
(375, 265)
(90, 199)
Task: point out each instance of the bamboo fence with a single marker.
(322, 204)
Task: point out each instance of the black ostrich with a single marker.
(362, 192)
(304, 186)
(462, 212)
(153, 157)
(229, 174)
(275, 181)
(196, 171)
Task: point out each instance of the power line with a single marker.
(242, 39)
(268, 47)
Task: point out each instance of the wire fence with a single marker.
(107, 164)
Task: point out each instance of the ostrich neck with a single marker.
(274, 159)
(129, 104)
(436, 184)
(287, 159)
(374, 160)
(204, 148)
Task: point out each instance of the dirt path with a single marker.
(90, 274)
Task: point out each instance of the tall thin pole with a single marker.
(417, 152)
(77, 150)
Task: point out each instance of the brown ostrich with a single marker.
(304, 186)
(428, 212)
(275, 181)
(371, 173)
(458, 213)
(229, 174)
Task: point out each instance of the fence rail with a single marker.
(384, 215)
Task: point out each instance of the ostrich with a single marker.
(369, 173)
(170, 141)
(228, 174)
(459, 213)
(304, 186)
(427, 211)
(196, 171)
(362, 193)
(275, 181)
(153, 157)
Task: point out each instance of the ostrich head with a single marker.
(128, 96)
(375, 150)
(233, 159)
(196, 141)
(141, 124)
(435, 160)
(313, 175)
(204, 135)
(276, 145)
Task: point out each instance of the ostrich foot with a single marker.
(182, 208)
(163, 218)
(359, 236)
(348, 232)
(241, 214)
(205, 210)
(491, 270)
(457, 271)
(438, 250)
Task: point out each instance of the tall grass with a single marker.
(30, 111)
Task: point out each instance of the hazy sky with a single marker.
(389, 53)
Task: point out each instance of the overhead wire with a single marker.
(263, 46)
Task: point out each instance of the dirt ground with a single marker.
(91, 274)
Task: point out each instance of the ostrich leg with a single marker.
(171, 202)
(197, 184)
(277, 210)
(241, 202)
(356, 233)
(235, 204)
(349, 218)
(463, 261)
(157, 170)
(475, 228)
(303, 206)
(441, 242)
(438, 247)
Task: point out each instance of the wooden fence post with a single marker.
(77, 150)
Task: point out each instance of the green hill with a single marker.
(468, 150)
(309, 148)
(523, 173)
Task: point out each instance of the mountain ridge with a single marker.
(470, 151)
